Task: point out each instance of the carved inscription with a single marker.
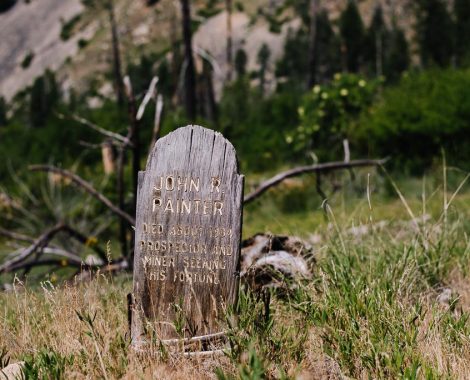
(167, 244)
(187, 239)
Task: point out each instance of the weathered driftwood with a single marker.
(318, 168)
(87, 187)
(187, 236)
(269, 261)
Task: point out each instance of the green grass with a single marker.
(370, 311)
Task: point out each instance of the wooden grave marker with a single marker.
(187, 237)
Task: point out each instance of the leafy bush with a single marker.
(256, 125)
(328, 113)
(424, 112)
(68, 27)
(26, 62)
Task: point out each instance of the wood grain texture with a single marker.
(188, 230)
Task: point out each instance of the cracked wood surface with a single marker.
(187, 237)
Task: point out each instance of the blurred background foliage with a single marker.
(369, 86)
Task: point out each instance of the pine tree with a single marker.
(263, 58)
(190, 98)
(241, 60)
(3, 112)
(375, 43)
(352, 35)
(5, 5)
(434, 32)
(43, 97)
(397, 58)
(38, 105)
(462, 31)
(294, 63)
(327, 49)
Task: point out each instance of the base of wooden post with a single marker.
(203, 345)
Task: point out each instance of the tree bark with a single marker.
(120, 188)
(312, 51)
(134, 132)
(190, 72)
(229, 40)
(116, 55)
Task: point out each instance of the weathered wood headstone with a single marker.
(187, 237)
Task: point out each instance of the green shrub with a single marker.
(328, 113)
(425, 112)
(256, 125)
(46, 365)
(68, 27)
(26, 62)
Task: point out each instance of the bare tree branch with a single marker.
(86, 144)
(157, 125)
(69, 256)
(38, 244)
(104, 132)
(87, 187)
(77, 235)
(15, 235)
(55, 250)
(328, 166)
(45, 262)
(133, 135)
(151, 92)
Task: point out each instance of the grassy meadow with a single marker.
(389, 298)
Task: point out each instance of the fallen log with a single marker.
(318, 168)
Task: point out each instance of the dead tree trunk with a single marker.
(190, 71)
(120, 188)
(229, 40)
(209, 96)
(107, 156)
(312, 51)
(116, 55)
(133, 137)
(175, 55)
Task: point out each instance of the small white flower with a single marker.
(344, 92)
(289, 139)
(362, 83)
(337, 76)
(324, 95)
(316, 89)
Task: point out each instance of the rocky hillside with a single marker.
(33, 42)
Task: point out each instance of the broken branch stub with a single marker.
(187, 239)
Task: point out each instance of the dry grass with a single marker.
(388, 300)
(48, 319)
